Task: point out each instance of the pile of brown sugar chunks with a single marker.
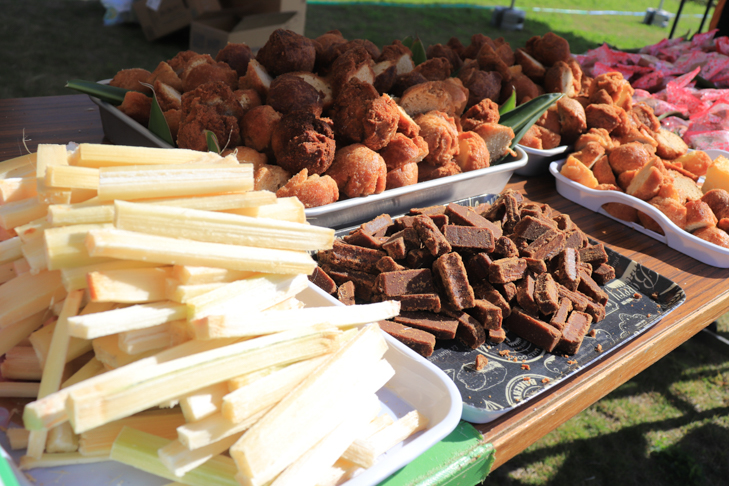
(470, 273)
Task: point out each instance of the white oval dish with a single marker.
(539, 160)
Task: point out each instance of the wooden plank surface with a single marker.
(62, 119)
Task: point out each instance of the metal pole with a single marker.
(709, 4)
(675, 21)
(512, 4)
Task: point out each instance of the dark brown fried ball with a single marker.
(405, 175)
(477, 42)
(485, 111)
(132, 79)
(548, 49)
(290, 92)
(525, 88)
(629, 156)
(455, 44)
(167, 96)
(718, 201)
(400, 151)
(393, 52)
(605, 116)
(361, 114)
(365, 44)
(354, 63)
(405, 81)
(436, 69)
(200, 118)
(247, 98)
(427, 172)
(257, 127)
(312, 190)
(503, 49)
(165, 74)
(326, 49)
(559, 79)
(440, 133)
(532, 68)
(439, 50)
(235, 55)
(285, 52)
(358, 171)
(645, 114)
(302, 140)
(482, 85)
(203, 69)
(180, 60)
(489, 60)
(572, 119)
(216, 95)
(137, 106)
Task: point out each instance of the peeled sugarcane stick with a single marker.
(140, 316)
(75, 278)
(219, 202)
(183, 293)
(21, 212)
(129, 286)
(34, 254)
(195, 275)
(72, 177)
(62, 439)
(214, 428)
(10, 250)
(285, 209)
(8, 271)
(103, 155)
(148, 339)
(42, 338)
(181, 460)
(29, 294)
(17, 188)
(58, 459)
(225, 228)
(33, 229)
(18, 438)
(21, 363)
(68, 214)
(65, 246)
(92, 368)
(203, 402)
(13, 334)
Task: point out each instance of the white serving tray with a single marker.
(417, 384)
(350, 212)
(674, 237)
(539, 160)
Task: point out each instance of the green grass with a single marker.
(668, 426)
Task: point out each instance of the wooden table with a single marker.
(62, 119)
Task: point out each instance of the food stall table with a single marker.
(28, 122)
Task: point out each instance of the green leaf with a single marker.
(213, 145)
(521, 118)
(408, 42)
(704, 83)
(677, 114)
(157, 122)
(110, 94)
(509, 104)
(419, 56)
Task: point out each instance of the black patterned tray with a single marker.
(518, 371)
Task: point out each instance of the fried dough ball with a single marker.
(201, 117)
(358, 171)
(525, 88)
(497, 137)
(312, 190)
(203, 69)
(629, 156)
(599, 135)
(605, 116)
(436, 69)
(167, 96)
(136, 106)
(247, 98)
(646, 183)
(246, 155)
(406, 125)
(285, 52)
(713, 235)
(405, 175)
(432, 96)
(699, 215)
(560, 79)
(548, 49)
(477, 42)
(696, 162)
(645, 114)
(365, 44)
(440, 50)
(355, 63)
(165, 74)
(235, 55)
(616, 86)
(455, 44)
(670, 145)
(473, 154)
(603, 172)
(257, 126)
(532, 138)
(600, 96)
(172, 117)
(405, 81)
(482, 85)
(590, 154)
(504, 50)
(718, 201)
(256, 78)
(618, 210)
(674, 210)
(402, 150)
(439, 131)
(427, 172)
(326, 49)
(180, 60)
(132, 79)
(572, 119)
(361, 114)
(302, 140)
(530, 67)
(489, 60)
(217, 95)
(550, 120)
(270, 178)
(290, 92)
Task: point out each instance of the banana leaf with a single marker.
(509, 104)
(157, 122)
(418, 49)
(408, 42)
(212, 140)
(110, 94)
(521, 118)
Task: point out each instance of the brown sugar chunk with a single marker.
(497, 336)
(535, 266)
(486, 291)
(463, 216)
(603, 273)
(420, 258)
(414, 302)
(320, 278)
(442, 327)
(352, 257)
(574, 332)
(440, 209)
(559, 318)
(440, 220)
(377, 226)
(395, 248)
(525, 295)
(470, 332)
(508, 290)
(387, 264)
(469, 238)
(363, 282)
(578, 299)
(488, 314)
(512, 215)
(575, 239)
(597, 311)
(362, 238)
(454, 280)
(568, 268)
(419, 281)
(594, 255)
(564, 222)
(507, 270)
(531, 227)
(431, 236)
(546, 295)
(419, 341)
(591, 289)
(477, 267)
(505, 248)
(546, 245)
(532, 329)
(345, 293)
(481, 362)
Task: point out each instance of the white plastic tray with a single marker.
(674, 237)
(417, 384)
(353, 211)
(539, 160)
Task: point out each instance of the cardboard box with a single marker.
(201, 7)
(172, 15)
(210, 33)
